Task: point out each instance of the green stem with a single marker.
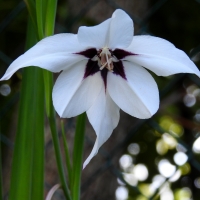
(68, 163)
(78, 155)
(54, 133)
(48, 85)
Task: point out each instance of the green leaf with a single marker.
(28, 163)
(50, 17)
(48, 83)
(30, 4)
(40, 18)
(38, 148)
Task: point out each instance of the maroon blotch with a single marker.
(119, 69)
(104, 73)
(89, 53)
(91, 68)
(120, 54)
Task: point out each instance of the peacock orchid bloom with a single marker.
(104, 70)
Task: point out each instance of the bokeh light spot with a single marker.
(167, 195)
(196, 145)
(176, 129)
(180, 158)
(5, 89)
(141, 172)
(133, 148)
(125, 161)
(197, 182)
(121, 193)
(165, 122)
(185, 169)
(169, 140)
(130, 179)
(157, 181)
(189, 100)
(183, 194)
(166, 168)
(161, 147)
(176, 176)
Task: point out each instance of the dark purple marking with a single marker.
(104, 73)
(91, 68)
(119, 69)
(119, 53)
(89, 53)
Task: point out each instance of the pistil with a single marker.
(106, 59)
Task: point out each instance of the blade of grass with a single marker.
(50, 17)
(30, 123)
(38, 140)
(31, 9)
(38, 135)
(67, 156)
(78, 155)
(40, 18)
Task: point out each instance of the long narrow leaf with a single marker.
(50, 17)
(30, 123)
(40, 18)
(48, 83)
(31, 9)
(38, 148)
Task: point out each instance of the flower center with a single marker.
(105, 59)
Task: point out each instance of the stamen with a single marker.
(106, 59)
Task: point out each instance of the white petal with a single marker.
(121, 30)
(138, 95)
(73, 95)
(95, 36)
(104, 117)
(160, 56)
(53, 53)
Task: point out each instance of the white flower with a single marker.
(103, 71)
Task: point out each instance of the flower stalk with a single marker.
(67, 156)
(59, 162)
(78, 155)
